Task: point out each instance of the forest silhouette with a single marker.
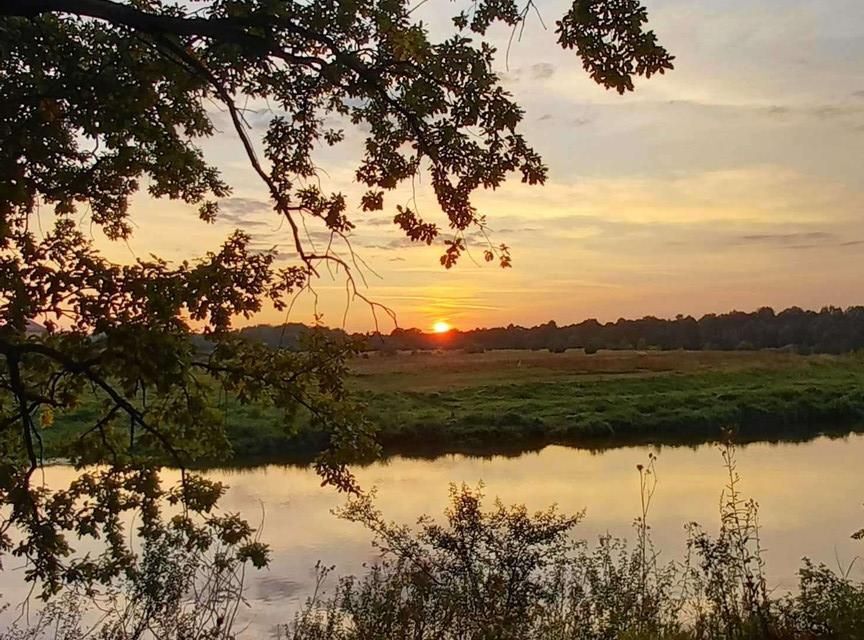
(829, 330)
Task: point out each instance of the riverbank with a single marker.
(430, 403)
(507, 401)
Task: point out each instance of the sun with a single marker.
(441, 327)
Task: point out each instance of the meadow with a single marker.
(428, 403)
(458, 401)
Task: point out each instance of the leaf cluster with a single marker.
(102, 99)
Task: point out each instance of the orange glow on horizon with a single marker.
(441, 327)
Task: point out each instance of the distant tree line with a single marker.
(830, 330)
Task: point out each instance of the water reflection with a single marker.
(810, 498)
(809, 494)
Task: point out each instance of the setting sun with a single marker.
(441, 327)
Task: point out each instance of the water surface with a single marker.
(810, 496)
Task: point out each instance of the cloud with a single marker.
(376, 222)
(818, 110)
(320, 236)
(264, 247)
(786, 238)
(381, 244)
(798, 240)
(272, 589)
(510, 76)
(244, 206)
(828, 111)
(261, 118)
(404, 243)
(766, 194)
(245, 212)
(541, 70)
(508, 230)
(848, 243)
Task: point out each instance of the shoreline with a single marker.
(487, 405)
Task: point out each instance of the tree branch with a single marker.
(13, 364)
(13, 353)
(222, 29)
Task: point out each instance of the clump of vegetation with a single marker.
(182, 579)
(506, 574)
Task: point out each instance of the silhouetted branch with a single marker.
(13, 353)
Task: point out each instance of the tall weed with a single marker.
(505, 574)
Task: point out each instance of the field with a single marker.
(458, 401)
(449, 370)
(501, 401)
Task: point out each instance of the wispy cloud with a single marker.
(786, 238)
(733, 181)
(541, 70)
(379, 221)
(799, 240)
(245, 212)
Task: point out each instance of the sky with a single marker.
(735, 181)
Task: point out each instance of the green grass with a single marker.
(498, 401)
(673, 405)
(459, 402)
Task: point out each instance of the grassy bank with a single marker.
(614, 396)
(429, 403)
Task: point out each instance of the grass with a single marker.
(450, 370)
(430, 403)
(457, 401)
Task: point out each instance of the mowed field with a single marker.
(448, 370)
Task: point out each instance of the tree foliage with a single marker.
(101, 98)
(829, 330)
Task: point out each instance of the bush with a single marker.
(505, 574)
(481, 575)
(186, 582)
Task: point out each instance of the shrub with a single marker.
(504, 574)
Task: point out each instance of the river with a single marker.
(810, 497)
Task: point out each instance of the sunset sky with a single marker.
(736, 181)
